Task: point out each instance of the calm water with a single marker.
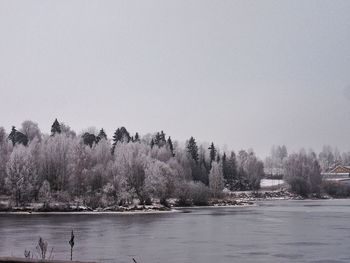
(277, 231)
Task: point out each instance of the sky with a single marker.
(243, 74)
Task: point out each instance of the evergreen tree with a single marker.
(162, 139)
(229, 169)
(212, 153)
(171, 146)
(159, 139)
(55, 128)
(12, 135)
(192, 149)
(120, 135)
(17, 137)
(137, 137)
(89, 139)
(101, 135)
(152, 144)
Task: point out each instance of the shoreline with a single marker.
(232, 199)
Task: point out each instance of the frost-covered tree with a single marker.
(31, 130)
(250, 170)
(57, 160)
(21, 174)
(159, 139)
(255, 171)
(216, 179)
(160, 180)
(66, 130)
(192, 149)
(45, 193)
(303, 173)
(131, 161)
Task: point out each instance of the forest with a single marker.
(101, 171)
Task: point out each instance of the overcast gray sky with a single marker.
(240, 73)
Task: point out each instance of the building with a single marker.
(338, 173)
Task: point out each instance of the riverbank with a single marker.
(242, 198)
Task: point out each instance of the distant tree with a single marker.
(89, 139)
(131, 162)
(216, 179)
(137, 137)
(21, 174)
(45, 193)
(120, 135)
(160, 180)
(55, 128)
(250, 170)
(12, 135)
(255, 171)
(212, 152)
(192, 149)
(57, 161)
(152, 143)
(65, 129)
(31, 130)
(170, 146)
(17, 137)
(5, 151)
(326, 158)
(229, 169)
(303, 173)
(101, 135)
(159, 139)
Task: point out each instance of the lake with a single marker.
(271, 231)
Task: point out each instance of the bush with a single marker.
(199, 193)
(192, 193)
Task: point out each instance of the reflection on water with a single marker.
(276, 231)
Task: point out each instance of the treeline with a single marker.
(302, 171)
(103, 171)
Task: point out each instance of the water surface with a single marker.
(274, 231)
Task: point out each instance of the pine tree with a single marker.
(192, 149)
(121, 135)
(171, 146)
(101, 135)
(162, 139)
(12, 135)
(152, 144)
(212, 153)
(18, 137)
(55, 128)
(137, 137)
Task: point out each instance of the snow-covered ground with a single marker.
(271, 182)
